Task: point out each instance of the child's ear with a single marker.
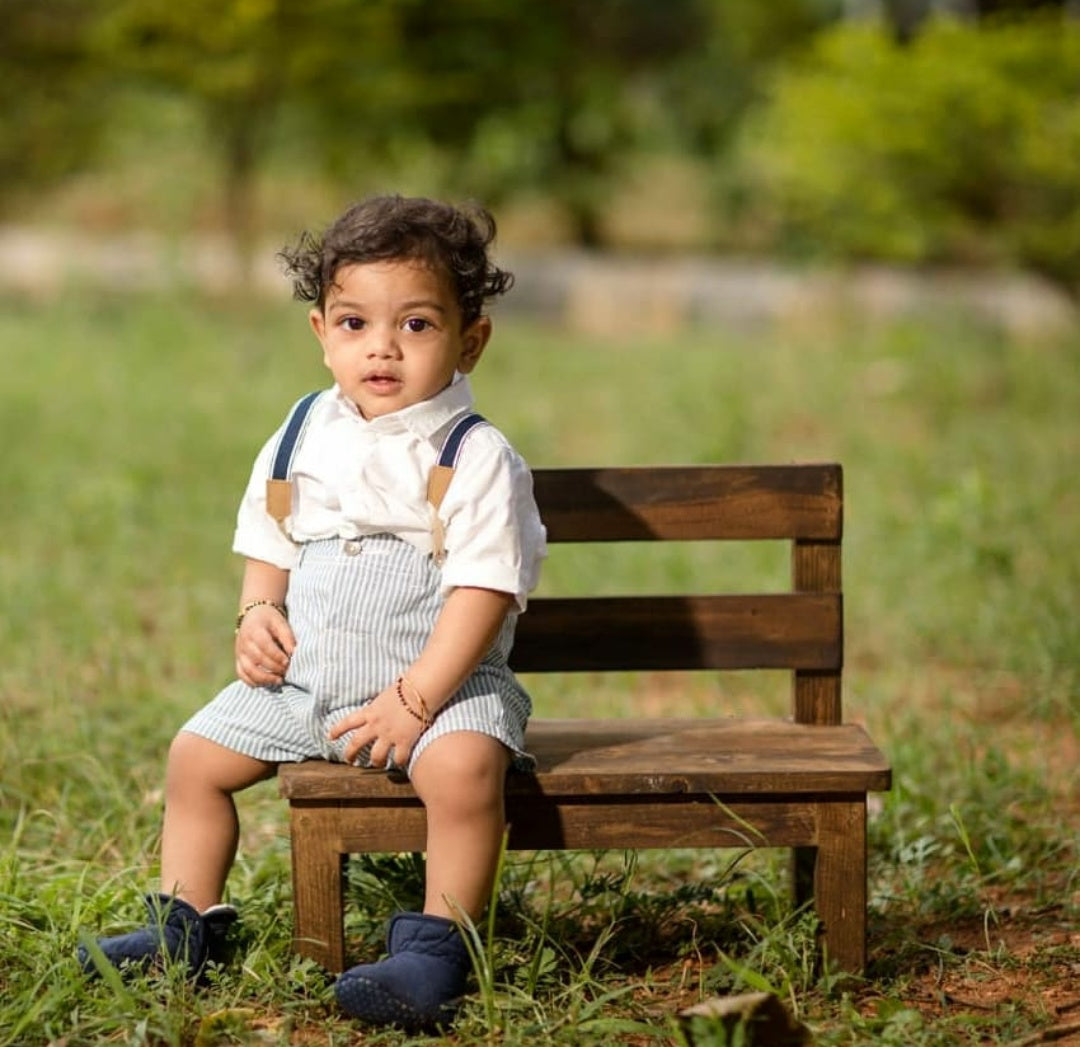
(473, 341)
(318, 324)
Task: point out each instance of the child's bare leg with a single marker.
(201, 829)
(198, 846)
(461, 779)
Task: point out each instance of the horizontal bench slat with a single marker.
(771, 631)
(545, 823)
(591, 758)
(691, 503)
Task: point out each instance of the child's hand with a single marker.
(384, 723)
(264, 645)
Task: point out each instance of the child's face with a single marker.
(391, 335)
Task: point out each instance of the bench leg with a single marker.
(833, 876)
(840, 882)
(318, 887)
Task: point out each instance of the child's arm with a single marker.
(464, 632)
(264, 639)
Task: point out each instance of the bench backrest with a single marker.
(800, 629)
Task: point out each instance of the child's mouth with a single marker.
(381, 381)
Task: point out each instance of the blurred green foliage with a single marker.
(559, 110)
(915, 139)
(961, 146)
(551, 97)
(49, 90)
(241, 62)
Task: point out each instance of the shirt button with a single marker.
(352, 547)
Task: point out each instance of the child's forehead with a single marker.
(390, 274)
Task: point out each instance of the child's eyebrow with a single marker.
(344, 303)
(349, 304)
(425, 303)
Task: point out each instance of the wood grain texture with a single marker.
(771, 631)
(723, 502)
(629, 758)
(840, 882)
(318, 885)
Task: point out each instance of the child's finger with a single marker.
(273, 658)
(282, 634)
(346, 724)
(362, 738)
(402, 754)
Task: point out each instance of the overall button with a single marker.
(352, 546)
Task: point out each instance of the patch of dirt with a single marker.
(1024, 962)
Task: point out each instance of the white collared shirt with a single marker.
(354, 477)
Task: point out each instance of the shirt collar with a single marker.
(424, 419)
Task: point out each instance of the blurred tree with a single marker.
(990, 8)
(712, 87)
(355, 88)
(556, 96)
(544, 94)
(239, 61)
(50, 92)
(907, 16)
(552, 96)
(225, 54)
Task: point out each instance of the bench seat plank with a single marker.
(594, 758)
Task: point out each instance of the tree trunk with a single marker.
(240, 155)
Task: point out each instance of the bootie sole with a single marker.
(368, 1001)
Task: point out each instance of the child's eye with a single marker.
(352, 323)
(416, 324)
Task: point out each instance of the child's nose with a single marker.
(383, 342)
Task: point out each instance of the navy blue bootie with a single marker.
(421, 983)
(175, 931)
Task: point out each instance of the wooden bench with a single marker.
(798, 782)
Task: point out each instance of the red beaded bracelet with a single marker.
(424, 716)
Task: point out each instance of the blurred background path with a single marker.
(591, 292)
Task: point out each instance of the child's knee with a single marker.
(184, 752)
(464, 768)
(197, 763)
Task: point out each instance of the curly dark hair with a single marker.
(453, 240)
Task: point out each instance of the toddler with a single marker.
(391, 539)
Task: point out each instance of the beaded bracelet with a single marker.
(424, 716)
(420, 698)
(280, 608)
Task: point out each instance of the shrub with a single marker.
(961, 146)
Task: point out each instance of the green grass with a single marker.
(128, 429)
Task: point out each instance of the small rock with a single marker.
(761, 1017)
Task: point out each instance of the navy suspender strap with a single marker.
(441, 474)
(290, 438)
(451, 447)
(279, 483)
